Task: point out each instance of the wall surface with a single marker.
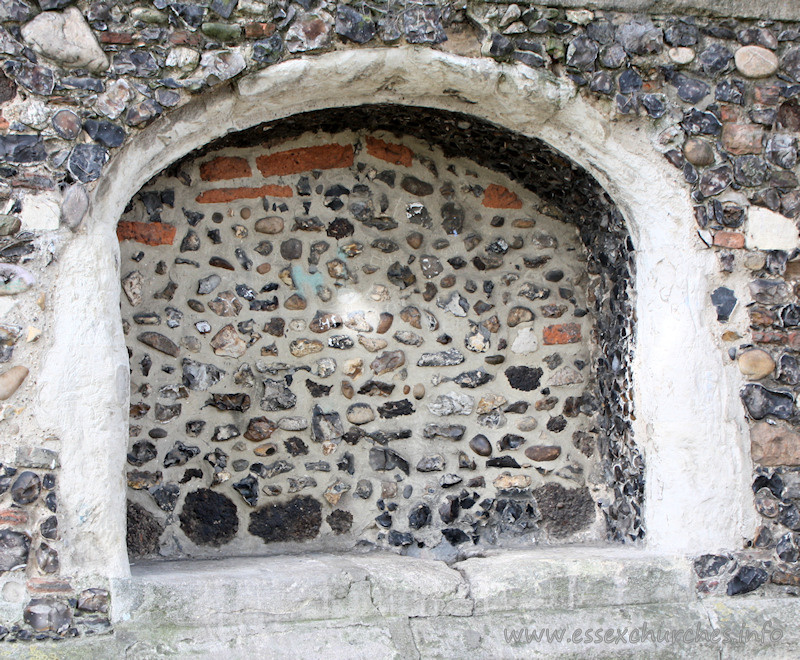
(689, 123)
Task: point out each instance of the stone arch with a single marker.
(687, 418)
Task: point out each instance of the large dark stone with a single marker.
(86, 162)
(143, 531)
(354, 25)
(760, 402)
(525, 379)
(564, 512)
(22, 149)
(299, 519)
(747, 579)
(26, 488)
(209, 518)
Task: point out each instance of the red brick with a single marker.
(185, 38)
(223, 195)
(225, 167)
(115, 38)
(564, 333)
(294, 161)
(730, 113)
(48, 586)
(13, 517)
(396, 154)
(258, 30)
(498, 197)
(149, 233)
(740, 139)
(729, 239)
(768, 94)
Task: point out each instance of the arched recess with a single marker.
(688, 418)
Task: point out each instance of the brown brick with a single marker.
(224, 195)
(225, 167)
(396, 154)
(760, 317)
(48, 586)
(742, 139)
(149, 233)
(258, 30)
(564, 333)
(498, 197)
(304, 159)
(185, 38)
(772, 445)
(768, 94)
(729, 239)
(730, 113)
(13, 517)
(115, 38)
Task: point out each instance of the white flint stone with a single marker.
(767, 230)
(66, 38)
(525, 341)
(452, 403)
(40, 212)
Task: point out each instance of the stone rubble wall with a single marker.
(446, 394)
(80, 79)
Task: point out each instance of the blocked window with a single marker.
(352, 335)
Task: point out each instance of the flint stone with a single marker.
(447, 431)
(761, 402)
(200, 376)
(325, 427)
(66, 38)
(277, 396)
(14, 550)
(452, 403)
(448, 358)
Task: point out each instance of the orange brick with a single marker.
(294, 161)
(498, 197)
(225, 167)
(564, 333)
(740, 139)
(48, 586)
(396, 154)
(258, 30)
(185, 38)
(115, 38)
(13, 517)
(223, 195)
(149, 233)
(729, 239)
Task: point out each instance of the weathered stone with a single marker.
(160, 343)
(372, 344)
(303, 347)
(432, 463)
(543, 453)
(450, 357)
(452, 403)
(772, 444)
(523, 378)
(388, 361)
(10, 381)
(755, 62)
(392, 409)
(760, 402)
(269, 225)
(227, 343)
(209, 518)
(277, 396)
(756, 364)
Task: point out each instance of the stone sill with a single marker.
(388, 606)
(329, 586)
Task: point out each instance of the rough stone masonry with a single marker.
(81, 79)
